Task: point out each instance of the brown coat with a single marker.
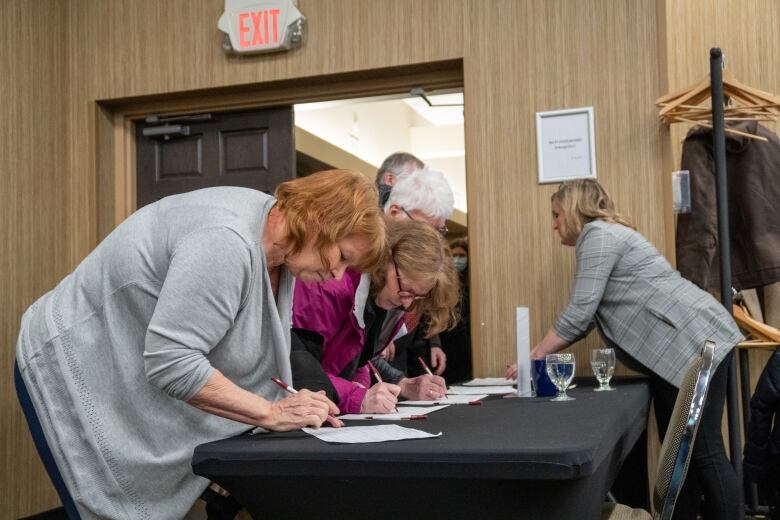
(753, 170)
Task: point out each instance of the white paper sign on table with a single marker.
(523, 352)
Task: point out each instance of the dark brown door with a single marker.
(252, 149)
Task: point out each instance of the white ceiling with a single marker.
(373, 128)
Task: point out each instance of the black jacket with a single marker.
(762, 440)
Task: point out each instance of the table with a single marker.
(529, 458)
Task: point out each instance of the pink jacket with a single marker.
(334, 310)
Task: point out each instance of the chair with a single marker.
(678, 443)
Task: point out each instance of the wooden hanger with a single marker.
(753, 328)
(746, 104)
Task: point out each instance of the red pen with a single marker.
(377, 377)
(291, 390)
(375, 372)
(424, 365)
(414, 418)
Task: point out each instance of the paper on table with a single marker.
(407, 412)
(476, 390)
(358, 434)
(450, 399)
(490, 381)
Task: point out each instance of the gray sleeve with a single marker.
(207, 282)
(389, 373)
(597, 253)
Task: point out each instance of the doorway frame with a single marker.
(114, 130)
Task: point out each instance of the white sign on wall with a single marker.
(565, 145)
(253, 26)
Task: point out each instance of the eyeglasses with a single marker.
(403, 293)
(443, 230)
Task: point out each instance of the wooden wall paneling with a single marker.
(149, 47)
(747, 32)
(34, 171)
(584, 54)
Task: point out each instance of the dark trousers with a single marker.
(710, 473)
(42, 446)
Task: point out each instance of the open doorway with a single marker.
(360, 133)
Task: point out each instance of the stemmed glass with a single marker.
(560, 370)
(602, 361)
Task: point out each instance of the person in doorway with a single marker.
(168, 334)
(394, 168)
(656, 320)
(358, 318)
(456, 343)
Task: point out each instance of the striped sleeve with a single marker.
(597, 254)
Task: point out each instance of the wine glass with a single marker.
(602, 361)
(560, 370)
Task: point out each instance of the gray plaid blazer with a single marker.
(640, 304)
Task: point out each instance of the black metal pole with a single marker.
(724, 246)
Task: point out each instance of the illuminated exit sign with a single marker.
(253, 26)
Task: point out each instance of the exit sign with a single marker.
(253, 26)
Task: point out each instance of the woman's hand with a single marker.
(380, 398)
(423, 388)
(511, 371)
(222, 397)
(306, 408)
(438, 360)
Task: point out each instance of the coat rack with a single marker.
(724, 248)
(744, 103)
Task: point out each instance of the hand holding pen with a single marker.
(304, 408)
(380, 398)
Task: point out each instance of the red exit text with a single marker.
(258, 28)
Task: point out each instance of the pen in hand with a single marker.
(375, 372)
(377, 377)
(292, 390)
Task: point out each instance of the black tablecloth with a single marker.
(543, 458)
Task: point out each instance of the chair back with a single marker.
(678, 443)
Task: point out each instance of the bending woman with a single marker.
(167, 335)
(360, 315)
(657, 322)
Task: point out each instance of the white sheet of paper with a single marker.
(403, 413)
(450, 399)
(360, 434)
(489, 381)
(477, 390)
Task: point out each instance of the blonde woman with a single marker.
(168, 334)
(657, 322)
(359, 316)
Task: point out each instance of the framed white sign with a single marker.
(565, 145)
